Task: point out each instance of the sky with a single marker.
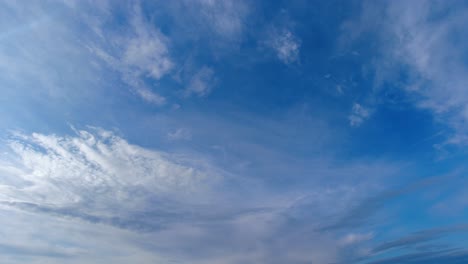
(233, 132)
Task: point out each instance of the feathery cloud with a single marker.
(97, 175)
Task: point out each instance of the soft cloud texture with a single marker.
(422, 52)
(429, 48)
(96, 176)
(39, 238)
(201, 83)
(225, 17)
(358, 115)
(285, 44)
(226, 132)
(180, 134)
(172, 204)
(141, 52)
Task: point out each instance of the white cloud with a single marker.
(41, 49)
(224, 17)
(150, 96)
(97, 174)
(140, 52)
(358, 115)
(145, 50)
(153, 206)
(147, 55)
(201, 83)
(354, 238)
(424, 39)
(180, 134)
(286, 45)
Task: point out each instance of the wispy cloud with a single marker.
(201, 83)
(225, 17)
(141, 52)
(418, 248)
(285, 186)
(285, 44)
(36, 51)
(358, 115)
(38, 238)
(171, 204)
(150, 96)
(420, 39)
(97, 175)
(180, 134)
(41, 45)
(147, 52)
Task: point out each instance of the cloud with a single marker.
(39, 238)
(353, 238)
(36, 55)
(285, 44)
(226, 18)
(180, 134)
(358, 115)
(141, 52)
(127, 50)
(164, 206)
(423, 243)
(99, 177)
(43, 51)
(360, 214)
(147, 52)
(435, 57)
(150, 96)
(421, 50)
(201, 83)
(420, 237)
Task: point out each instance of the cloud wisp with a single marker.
(358, 115)
(228, 145)
(180, 203)
(421, 52)
(99, 177)
(285, 44)
(141, 52)
(201, 83)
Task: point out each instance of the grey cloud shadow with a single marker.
(422, 250)
(420, 237)
(143, 221)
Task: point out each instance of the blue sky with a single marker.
(233, 132)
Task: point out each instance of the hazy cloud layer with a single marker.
(97, 178)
